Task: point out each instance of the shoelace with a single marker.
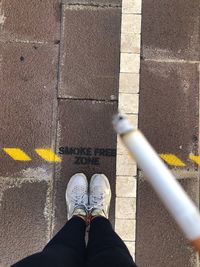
(78, 203)
(97, 201)
(78, 199)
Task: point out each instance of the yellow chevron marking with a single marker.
(47, 154)
(173, 160)
(17, 154)
(196, 159)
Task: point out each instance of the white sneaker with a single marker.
(77, 195)
(100, 195)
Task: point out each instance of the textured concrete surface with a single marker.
(169, 117)
(158, 234)
(27, 85)
(31, 113)
(168, 113)
(74, 133)
(22, 222)
(90, 57)
(170, 29)
(26, 20)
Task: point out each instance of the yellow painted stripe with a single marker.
(172, 160)
(196, 159)
(47, 154)
(17, 154)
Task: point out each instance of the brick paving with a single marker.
(126, 168)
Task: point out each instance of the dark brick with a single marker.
(27, 20)
(27, 88)
(22, 222)
(168, 113)
(170, 29)
(90, 53)
(159, 240)
(84, 124)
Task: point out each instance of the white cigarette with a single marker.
(164, 183)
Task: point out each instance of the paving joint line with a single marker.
(165, 60)
(54, 139)
(55, 42)
(91, 5)
(25, 179)
(132, 13)
(89, 100)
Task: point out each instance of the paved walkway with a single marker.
(59, 90)
(64, 70)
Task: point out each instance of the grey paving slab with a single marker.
(23, 227)
(90, 53)
(170, 29)
(168, 113)
(26, 20)
(84, 128)
(27, 87)
(159, 240)
(94, 2)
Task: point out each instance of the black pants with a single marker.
(68, 249)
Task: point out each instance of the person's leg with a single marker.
(105, 247)
(67, 248)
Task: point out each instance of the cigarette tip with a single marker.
(121, 124)
(117, 117)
